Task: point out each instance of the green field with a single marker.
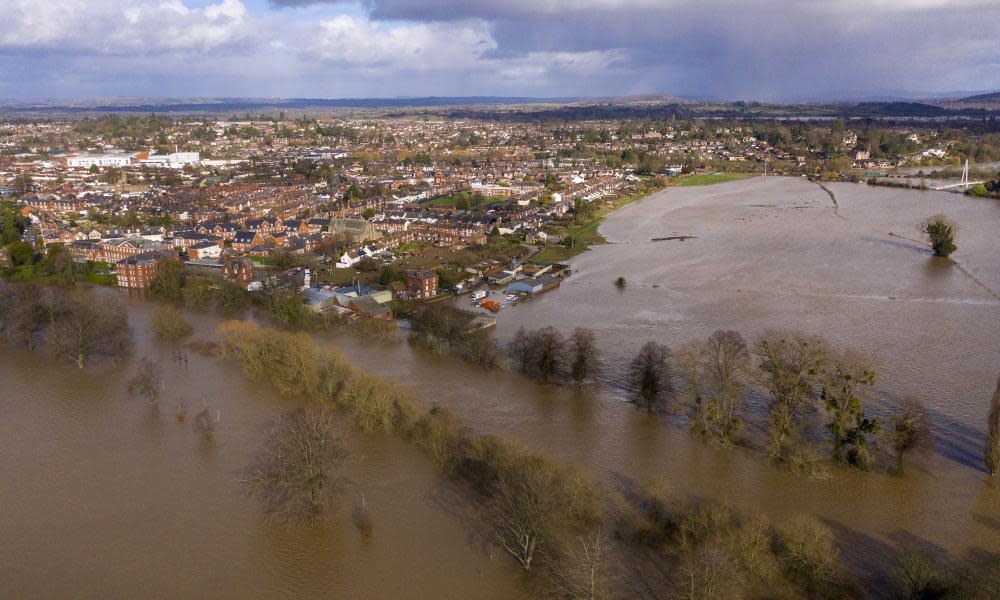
(585, 235)
(710, 178)
(450, 201)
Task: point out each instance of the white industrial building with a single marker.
(114, 159)
(176, 160)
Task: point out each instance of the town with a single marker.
(367, 215)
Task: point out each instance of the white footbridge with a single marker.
(964, 183)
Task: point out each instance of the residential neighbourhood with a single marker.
(421, 208)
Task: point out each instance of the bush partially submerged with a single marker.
(941, 230)
(169, 324)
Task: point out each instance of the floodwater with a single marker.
(105, 497)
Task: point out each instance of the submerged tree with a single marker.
(649, 374)
(520, 349)
(22, 313)
(480, 349)
(583, 570)
(582, 354)
(291, 474)
(147, 381)
(909, 430)
(941, 232)
(540, 354)
(549, 354)
(992, 453)
(789, 367)
(725, 363)
(847, 385)
(85, 329)
(533, 502)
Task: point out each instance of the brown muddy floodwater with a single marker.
(105, 498)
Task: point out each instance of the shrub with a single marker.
(169, 324)
(941, 232)
(234, 334)
(375, 404)
(438, 432)
(287, 360)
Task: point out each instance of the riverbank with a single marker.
(582, 237)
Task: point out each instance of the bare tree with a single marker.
(521, 349)
(550, 354)
(291, 474)
(726, 364)
(22, 313)
(583, 354)
(909, 430)
(789, 367)
(649, 374)
(691, 361)
(147, 381)
(86, 329)
(532, 503)
(992, 453)
(540, 354)
(583, 571)
(480, 349)
(711, 573)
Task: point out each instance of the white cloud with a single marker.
(357, 42)
(123, 26)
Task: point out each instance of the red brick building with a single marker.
(421, 285)
(138, 271)
(239, 270)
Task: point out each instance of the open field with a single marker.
(709, 179)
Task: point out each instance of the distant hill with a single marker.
(235, 105)
(991, 98)
(652, 106)
(894, 109)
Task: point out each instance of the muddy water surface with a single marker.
(105, 497)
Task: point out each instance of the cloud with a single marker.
(121, 27)
(763, 49)
(346, 40)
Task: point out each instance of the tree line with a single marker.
(573, 538)
(804, 379)
(73, 325)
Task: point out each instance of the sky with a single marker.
(769, 50)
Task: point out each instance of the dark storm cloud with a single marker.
(770, 49)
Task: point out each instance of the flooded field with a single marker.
(107, 497)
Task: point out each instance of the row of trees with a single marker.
(709, 381)
(546, 516)
(544, 354)
(76, 325)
